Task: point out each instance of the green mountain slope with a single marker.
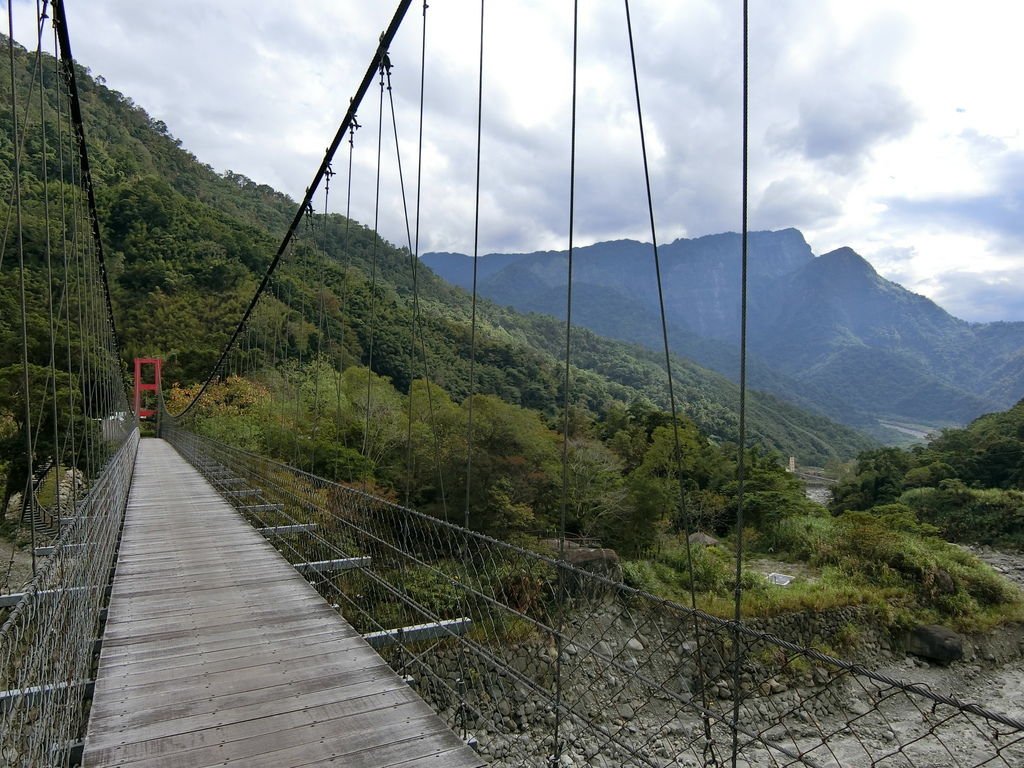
(187, 246)
(826, 332)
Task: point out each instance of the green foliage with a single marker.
(890, 548)
(968, 482)
(431, 587)
(878, 480)
(186, 247)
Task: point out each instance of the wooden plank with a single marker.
(418, 747)
(272, 712)
(356, 685)
(215, 746)
(134, 654)
(282, 661)
(217, 650)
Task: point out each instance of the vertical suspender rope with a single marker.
(415, 277)
(677, 451)
(49, 267)
(50, 373)
(321, 320)
(416, 319)
(472, 344)
(562, 585)
(741, 461)
(373, 262)
(26, 499)
(342, 310)
(476, 256)
(21, 143)
(67, 282)
(412, 255)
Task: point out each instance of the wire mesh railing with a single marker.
(629, 679)
(47, 639)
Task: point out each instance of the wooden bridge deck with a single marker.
(217, 652)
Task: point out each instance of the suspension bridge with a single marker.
(193, 603)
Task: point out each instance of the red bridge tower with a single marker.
(145, 407)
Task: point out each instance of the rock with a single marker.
(944, 583)
(634, 645)
(858, 707)
(601, 561)
(935, 643)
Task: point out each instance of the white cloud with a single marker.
(891, 128)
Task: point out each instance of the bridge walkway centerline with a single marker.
(216, 651)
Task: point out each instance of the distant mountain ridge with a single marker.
(825, 331)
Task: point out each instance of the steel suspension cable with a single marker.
(373, 259)
(741, 460)
(476, 257)
(68, 65)
(415, 261)
(567, 384)
(673, 406)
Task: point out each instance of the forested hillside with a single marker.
(968, 482)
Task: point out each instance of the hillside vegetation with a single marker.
(968, 483)
(826, 332)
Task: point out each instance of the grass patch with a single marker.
(886, 559)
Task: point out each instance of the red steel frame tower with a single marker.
(141, 386)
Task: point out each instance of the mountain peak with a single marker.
(848, 261)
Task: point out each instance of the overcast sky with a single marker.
(893, 128)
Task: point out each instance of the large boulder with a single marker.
(935, 643)
(595, 560)
(604, 562)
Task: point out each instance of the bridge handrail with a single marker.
(46, 643)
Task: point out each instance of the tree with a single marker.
(877, 480)
(598, 499)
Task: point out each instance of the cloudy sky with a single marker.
(894, 128)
